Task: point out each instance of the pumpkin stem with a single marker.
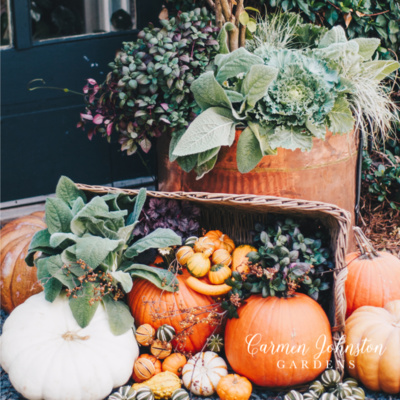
(69, 336)
(364, 244)
(235, 380)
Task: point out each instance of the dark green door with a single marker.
(39, 138)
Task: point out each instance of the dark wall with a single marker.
(39, 138)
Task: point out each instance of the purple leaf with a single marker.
(98, 119)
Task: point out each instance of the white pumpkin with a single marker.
(48, 356)
(202, 373)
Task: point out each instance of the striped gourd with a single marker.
(215, 343)
(144, 369)
(342, 390)
(145, 334)
(328, 396)
(161, 349)
(144, 393)
(293, 395)
(191, 240)
(162, 385)
(180, 394)
(311, 395)
(124, 393)
(165, 333)
(317, 387)
(358, 393)
(351, 382)
(330, 378)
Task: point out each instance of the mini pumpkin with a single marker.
(221, 256)
(145, 334)
(180, 394)
(328, 396)
(183, 254)
(124, 393)
(165, 333)
(144, 369)
(317, 387)
(144, 393)
(342, 390)
(204, 245)
(156, 362)
(234, 387)
(215, 343)
(330, 378)
(203, 372)
(198, 265)
(174, 363)
(311, 395)
(161, 349)
(293, 395)
(163, 385)
(218, 273)
(220, 240)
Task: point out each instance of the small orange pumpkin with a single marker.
(156, 362)
(183, 254)
(204, 245)
(221, 256)
(234, 387)
(174, 363)
(240, 262)
(218, 273)
(198, 265)
(220, 240)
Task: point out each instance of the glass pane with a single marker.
(60, 18)
(5, 23)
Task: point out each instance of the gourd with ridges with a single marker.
(311, 395)
(221, 256)
(293, 395)
(180, 394)
(165, 333)
(163, 385)
(183, 254)
(156, 362)
(351, 382)
(234, 387)
(202, 373)
(358, 393)
(330, 378)
(161, 349)
(205, 246)
(144, 369)
(124, 393)
(219, 273)
(328, 396)
(220, 240)
(342, 390)
(198, 265)
(144, 393)
(317, 387)
(145, 334)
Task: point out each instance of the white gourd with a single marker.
(48, 356)
(202, 373)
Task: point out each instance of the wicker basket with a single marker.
(236, 215)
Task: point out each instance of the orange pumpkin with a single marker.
(220, 240)
(373, 277)
(174, 363)
(234, 387)
(221, 256)
(279, 342)
(240, 262)
(144, 292)
(204, 245)
(219, 273)
(144, 369)
(17, 280)
(156, 362)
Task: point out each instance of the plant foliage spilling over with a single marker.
(147, 93)
(89, 250)
(286, 262)
(285, 97)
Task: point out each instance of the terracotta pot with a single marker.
(326, 173)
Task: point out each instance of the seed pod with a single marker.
(145, 334)
(165, 333)
(161, 349)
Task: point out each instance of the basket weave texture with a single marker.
(236, 215)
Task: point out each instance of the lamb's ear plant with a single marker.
(88, 251)
(284, 93)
